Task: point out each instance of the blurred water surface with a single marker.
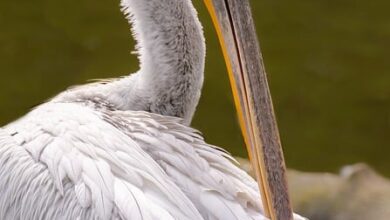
(327, 62)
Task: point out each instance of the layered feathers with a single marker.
(112, 164)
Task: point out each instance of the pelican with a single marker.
(123, 148)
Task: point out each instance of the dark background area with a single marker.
(327, 63)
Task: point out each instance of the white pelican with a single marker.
(122, 149)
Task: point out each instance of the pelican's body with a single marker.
(121, 149)
(83, 159)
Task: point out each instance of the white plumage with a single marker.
(121, 149)
(100, 163)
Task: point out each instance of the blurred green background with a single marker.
(327, 63)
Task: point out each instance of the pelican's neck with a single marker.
(171, 50)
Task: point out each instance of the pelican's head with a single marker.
(236, 32)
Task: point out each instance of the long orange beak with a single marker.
(236, 31)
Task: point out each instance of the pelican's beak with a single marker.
(236, 31)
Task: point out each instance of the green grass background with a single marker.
(327, 63)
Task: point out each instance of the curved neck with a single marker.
(171, 50)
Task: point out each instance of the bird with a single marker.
(123, 148)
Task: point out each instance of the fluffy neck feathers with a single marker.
(171, 50)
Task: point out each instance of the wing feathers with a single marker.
(135, 165)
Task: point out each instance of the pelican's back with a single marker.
(88, 161)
